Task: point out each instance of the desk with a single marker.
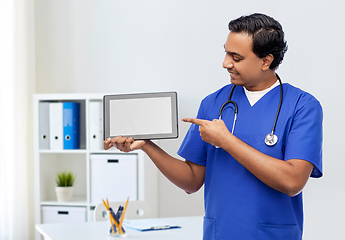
(191, 229)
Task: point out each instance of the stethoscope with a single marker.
(270, 139)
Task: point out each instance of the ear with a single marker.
(266, 62)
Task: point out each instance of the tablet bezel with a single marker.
(174, 114)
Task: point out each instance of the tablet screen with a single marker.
(141, 116)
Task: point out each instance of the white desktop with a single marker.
(191, 229)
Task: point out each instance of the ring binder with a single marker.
(71, 125)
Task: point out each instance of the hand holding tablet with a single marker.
(139, 116)
(124, 144)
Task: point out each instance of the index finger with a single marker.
(195, 121)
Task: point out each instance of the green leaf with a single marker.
(65, 179)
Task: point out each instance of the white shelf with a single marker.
(111, 150)
(76, 151)
(49, 162)
(76, 201)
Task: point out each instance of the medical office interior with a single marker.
(135, 46)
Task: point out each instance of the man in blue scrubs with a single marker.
(252, 190)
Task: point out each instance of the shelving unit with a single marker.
(49, 162)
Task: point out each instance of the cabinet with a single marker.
(58, 214)
(91, 181)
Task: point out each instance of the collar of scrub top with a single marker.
(270, 139)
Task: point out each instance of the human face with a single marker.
(245, 67)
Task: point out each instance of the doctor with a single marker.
(252, 189)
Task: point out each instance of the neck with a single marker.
(266, 81)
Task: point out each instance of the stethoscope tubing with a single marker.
(280, 104)
(229, 101)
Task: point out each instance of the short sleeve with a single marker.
(193, 148)
(305, 137)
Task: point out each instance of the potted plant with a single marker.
(64, 188)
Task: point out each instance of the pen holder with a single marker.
(114, 229)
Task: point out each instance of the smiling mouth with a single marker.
(232, 72)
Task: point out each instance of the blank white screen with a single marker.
(140, 116)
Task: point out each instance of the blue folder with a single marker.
(71, 125)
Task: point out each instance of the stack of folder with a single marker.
(59, 125)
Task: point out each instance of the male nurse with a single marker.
(252, 190)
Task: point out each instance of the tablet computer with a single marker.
(141, 116)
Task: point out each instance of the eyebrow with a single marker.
(233, 53)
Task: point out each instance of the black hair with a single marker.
(267, 34)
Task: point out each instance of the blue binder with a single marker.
(71, 125)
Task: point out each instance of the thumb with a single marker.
(139, 144)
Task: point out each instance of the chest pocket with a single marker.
(279, 232)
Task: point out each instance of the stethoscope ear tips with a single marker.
(271, 139)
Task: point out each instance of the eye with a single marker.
(236, 59)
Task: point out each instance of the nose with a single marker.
(227, 63)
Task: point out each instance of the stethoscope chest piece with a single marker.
(271, 139)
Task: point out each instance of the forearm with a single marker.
(278, 174)
(178, 172)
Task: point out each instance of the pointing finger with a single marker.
(195, 121)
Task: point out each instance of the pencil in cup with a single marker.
(111, 219)
(115, 220)
(123, 214)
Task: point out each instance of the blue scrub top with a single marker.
(237, 204)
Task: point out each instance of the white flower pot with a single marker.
(64, 194)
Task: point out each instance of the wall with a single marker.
(130, 46)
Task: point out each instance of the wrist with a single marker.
(146, 145)
(226, 140)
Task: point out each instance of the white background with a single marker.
(143, 46)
